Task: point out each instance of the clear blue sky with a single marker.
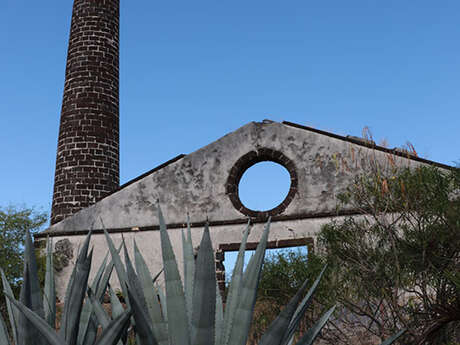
(193, 71)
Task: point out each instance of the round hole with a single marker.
(264, 186)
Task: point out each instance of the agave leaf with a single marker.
(176, 308)
(122, 275)
(30, 295)
(156, 276)
(301, 309)
(394, 337)
(234, 291)
(105, 279)
(28, 335)
(277, 330)
(112, 334)
(309, 337)
(30, 260)
(204, 293)
(117, 307)
(91, 331)
(134, 283)
(74, 301)
(12, 311)
(242, 322)
(98, 277)
(219, 325)
(38, 323)
(99, 312)
(164, 306)
(85, 319)
(189, 270)
(153, 305)
(3, 332)
(144, 332)
(49, 295)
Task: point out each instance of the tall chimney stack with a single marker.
(87, 162)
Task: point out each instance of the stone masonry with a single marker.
(87, 162)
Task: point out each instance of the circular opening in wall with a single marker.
(264, 186)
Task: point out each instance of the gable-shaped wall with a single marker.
(204, 184)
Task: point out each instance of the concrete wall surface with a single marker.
(204, 184)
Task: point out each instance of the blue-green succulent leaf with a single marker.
(3, 332)
(49, 295)
(85, 319)
(38, 323)
(12, 311)
(112, 334)
(242, 321)
(98, 277)
(74, 301)
(143, 327)
(204, 293)
(106, 278)
(302, 308)
(91, 331)
(278, 329)
(121, 272)
(234, 291)
(153, 305)
(189, 270)
(310, 336)
(176, 308)
(219, 326)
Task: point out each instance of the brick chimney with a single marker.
(87, 162)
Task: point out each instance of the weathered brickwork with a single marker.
(87, 162)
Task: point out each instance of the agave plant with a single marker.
(186, 313)
(32, 318)
(191, 312)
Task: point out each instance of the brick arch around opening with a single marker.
(243, 164)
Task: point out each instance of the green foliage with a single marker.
(284, 272)
(397, 265)
(14, 222)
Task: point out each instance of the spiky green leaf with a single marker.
(122, 275)
(74, 301)
(219, 326)
(309, 337)
(12, 311)
(242, 322)
(3, 332)
(176, 307)
(153, 305)
(103, 284)
(143, 327)
(98, 277)
(85, 320)
(112, 334)
(91, 331)
(234, 291)
(278, 329)
(49, 295)
(302, 308)
(204, 293)
(189, 270)
(38, 323)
